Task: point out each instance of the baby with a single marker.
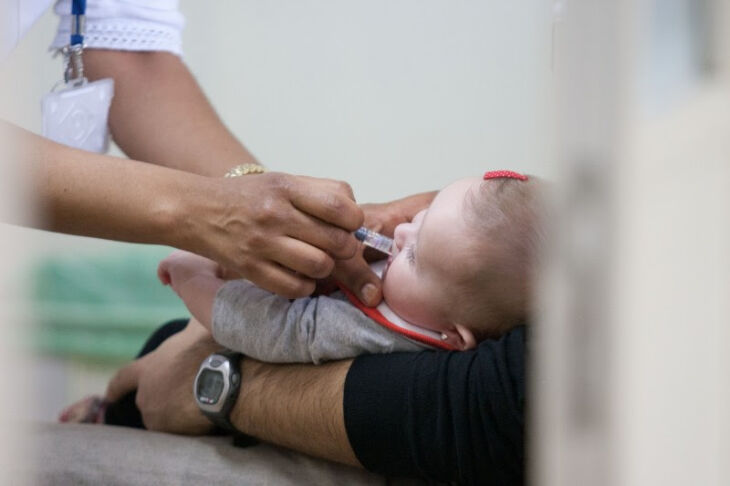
(460, 272)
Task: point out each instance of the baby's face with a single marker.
(429, 252)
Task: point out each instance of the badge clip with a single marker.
(76, 112)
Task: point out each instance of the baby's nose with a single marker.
(400, 234)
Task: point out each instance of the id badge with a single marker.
(77, 115)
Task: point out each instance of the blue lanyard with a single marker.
(78, 21)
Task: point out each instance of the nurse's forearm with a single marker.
(87, 194)
(160, 115)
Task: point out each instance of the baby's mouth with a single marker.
(386, 267)
(392, 255)
(390, 259)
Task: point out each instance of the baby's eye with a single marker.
(411, 254)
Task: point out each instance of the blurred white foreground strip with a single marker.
(631, 381)
(14, 321)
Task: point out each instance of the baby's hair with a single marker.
(505, 217)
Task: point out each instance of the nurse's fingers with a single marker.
(328, 200)
(273, 277)
(338, 243)
(355, 274)
(302, 258)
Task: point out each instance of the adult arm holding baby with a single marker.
(465, 410)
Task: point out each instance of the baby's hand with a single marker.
(181, 266)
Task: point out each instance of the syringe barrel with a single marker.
(374, 240)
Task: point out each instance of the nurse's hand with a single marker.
(354, 273)
(280, 231)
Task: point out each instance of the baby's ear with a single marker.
(466, 339)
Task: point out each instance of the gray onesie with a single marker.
(270, 328)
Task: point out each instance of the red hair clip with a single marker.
(498, 174)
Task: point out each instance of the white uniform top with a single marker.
(130, 25)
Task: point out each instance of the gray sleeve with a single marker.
(270, 328)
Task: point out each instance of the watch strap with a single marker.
(221, 422)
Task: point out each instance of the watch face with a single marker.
(210, 386)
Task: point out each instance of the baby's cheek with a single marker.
(388, 290)
(393, 288)
(401, 300)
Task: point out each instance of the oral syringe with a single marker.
(374, 240)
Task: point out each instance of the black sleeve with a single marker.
(446, 416)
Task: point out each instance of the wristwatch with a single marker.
(216, 387)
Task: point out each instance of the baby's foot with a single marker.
(89, 410)
(181, 265)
